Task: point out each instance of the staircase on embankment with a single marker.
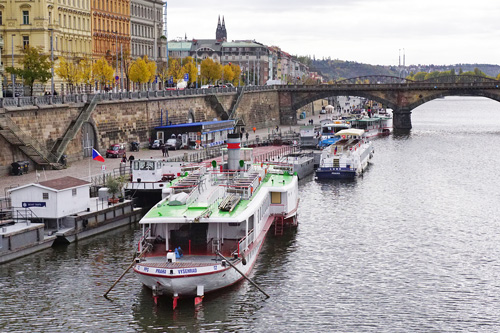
(73, 128)
(27, 144)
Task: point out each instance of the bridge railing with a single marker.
(12, 102)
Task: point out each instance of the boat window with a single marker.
(146, 165)
(136, 165)
(275, 197)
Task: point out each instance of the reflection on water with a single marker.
(410, 246)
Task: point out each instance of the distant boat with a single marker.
(329, 130)
(377, 125)
(347, 158)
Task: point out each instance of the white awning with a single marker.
(350, 131)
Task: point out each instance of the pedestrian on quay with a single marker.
(124, 158)
(131, 159)
(247, 136)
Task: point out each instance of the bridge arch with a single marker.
(401, 95)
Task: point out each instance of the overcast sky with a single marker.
(369, 31)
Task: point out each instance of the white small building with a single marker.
(52, 200)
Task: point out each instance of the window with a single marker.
(275, 197)
(1, 18)
(73, 192)
(26, 41)
(26, 17)
(45, 196)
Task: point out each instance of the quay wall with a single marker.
(123, 121)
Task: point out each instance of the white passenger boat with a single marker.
(152, 174)
(377, 125)
(309, 135)
(329, 130)
(347, 158)
(208, 232)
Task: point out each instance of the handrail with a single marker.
(28, 141)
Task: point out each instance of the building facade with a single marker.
(26, 22)
(146, 29)
(110, 29)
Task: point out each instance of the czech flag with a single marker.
(335, 152)
(96, 156)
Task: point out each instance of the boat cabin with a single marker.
(52, 200)
(199, 134)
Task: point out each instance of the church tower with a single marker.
(220, 33)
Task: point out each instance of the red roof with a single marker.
(64, 183)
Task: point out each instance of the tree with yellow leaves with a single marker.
(68, 72)
(85, 73)
(228, 73)
(236, 74)
(162, 72)
(189, 67)
(142, 71)
(210, 71)
(175, 69)
(102, 72)
(151, 67)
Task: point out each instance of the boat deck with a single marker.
(184, 262)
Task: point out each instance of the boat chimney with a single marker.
(233, 151)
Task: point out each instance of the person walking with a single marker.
(247, 136)
(131, 159)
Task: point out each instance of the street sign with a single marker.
(156, 79)
(103, 168)
(117, 78)
(171, 80)
(33, 204)
(186, 77)
(199, 70)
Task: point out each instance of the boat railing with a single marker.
(24, 214)
(240, 248)
(143, 239)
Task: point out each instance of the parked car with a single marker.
(173, 144)
(156, 144)
(116, 150)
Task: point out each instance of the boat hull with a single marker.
(212, 278)
(335, 173)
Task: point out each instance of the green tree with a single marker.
(36, 66)
(103, 72)
(432, 75)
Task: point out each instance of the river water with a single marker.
(413, 245)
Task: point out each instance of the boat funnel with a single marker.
(233, 151)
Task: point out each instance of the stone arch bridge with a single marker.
(401, 95)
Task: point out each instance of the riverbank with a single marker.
(87, 168)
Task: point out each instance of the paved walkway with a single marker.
(87, 167)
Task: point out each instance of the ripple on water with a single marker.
(410, 246)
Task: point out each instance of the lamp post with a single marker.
(116, 48)
(13, 75)
(121, 67)
(52, 60)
